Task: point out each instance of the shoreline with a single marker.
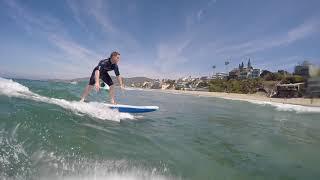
(252, 97)
(246, 97)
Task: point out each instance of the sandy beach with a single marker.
(250, 97)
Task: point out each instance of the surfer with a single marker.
(101, 72)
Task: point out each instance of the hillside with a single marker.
(127, 81)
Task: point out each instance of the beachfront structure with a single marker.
(146, 84)
(255, 73)
(186, 79)
(249, 73)
(234, 74)
(249, 64)
(313, 83)
(302, 69)
(187, 85)
(220, 76)
(180, 85)
(244, 72)
(314, 71)
(313, 87)
(204, 78)
(156, 85)
(165, 86)
(289, 90)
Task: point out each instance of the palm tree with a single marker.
(226, 64)
(213, 67)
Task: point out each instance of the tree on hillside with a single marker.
(264, 73)
(213, 67)
(226, 63)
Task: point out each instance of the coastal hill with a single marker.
(127, 81)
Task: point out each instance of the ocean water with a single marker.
(45, 133)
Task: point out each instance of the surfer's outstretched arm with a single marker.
(97, 76)
(120, 82)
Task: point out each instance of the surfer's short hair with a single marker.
(114, 53)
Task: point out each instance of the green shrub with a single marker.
(292, 79)
(235, 86)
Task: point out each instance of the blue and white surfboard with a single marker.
(133, 109)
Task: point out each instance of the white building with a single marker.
(255, 73)
(220, 76)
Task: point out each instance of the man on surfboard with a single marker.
(101, 72)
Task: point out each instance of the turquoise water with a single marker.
(189, 137)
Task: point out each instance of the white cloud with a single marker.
(202, 11)
(73, 50)
(75, 9)
(170, 55)
(71, 58)
(199, 14)
(299, 32)
(304, 30)
(97, 8)
(98, 11)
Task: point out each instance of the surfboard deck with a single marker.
(132, 109)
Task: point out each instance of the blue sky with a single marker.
(161, 39)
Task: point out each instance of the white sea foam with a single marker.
(50, 166)
(133, 89)
(296, 108)
(85, 169)
(93, 109)
(115, 176)
(283, 107)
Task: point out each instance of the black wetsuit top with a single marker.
(104, 66)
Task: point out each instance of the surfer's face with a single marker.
(115, 59)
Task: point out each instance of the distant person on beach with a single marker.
(101, 72)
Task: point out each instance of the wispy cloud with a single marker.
(203, 10)
(299, 32)
(75, 54)
(173, 54)
(205, 39)
(94, 8)
(76, 11)
(73, 50)
(169, 56)
(97, 9)
(199, 14)
(31, 22)
(304, 30)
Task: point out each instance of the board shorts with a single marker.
(103, 75)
